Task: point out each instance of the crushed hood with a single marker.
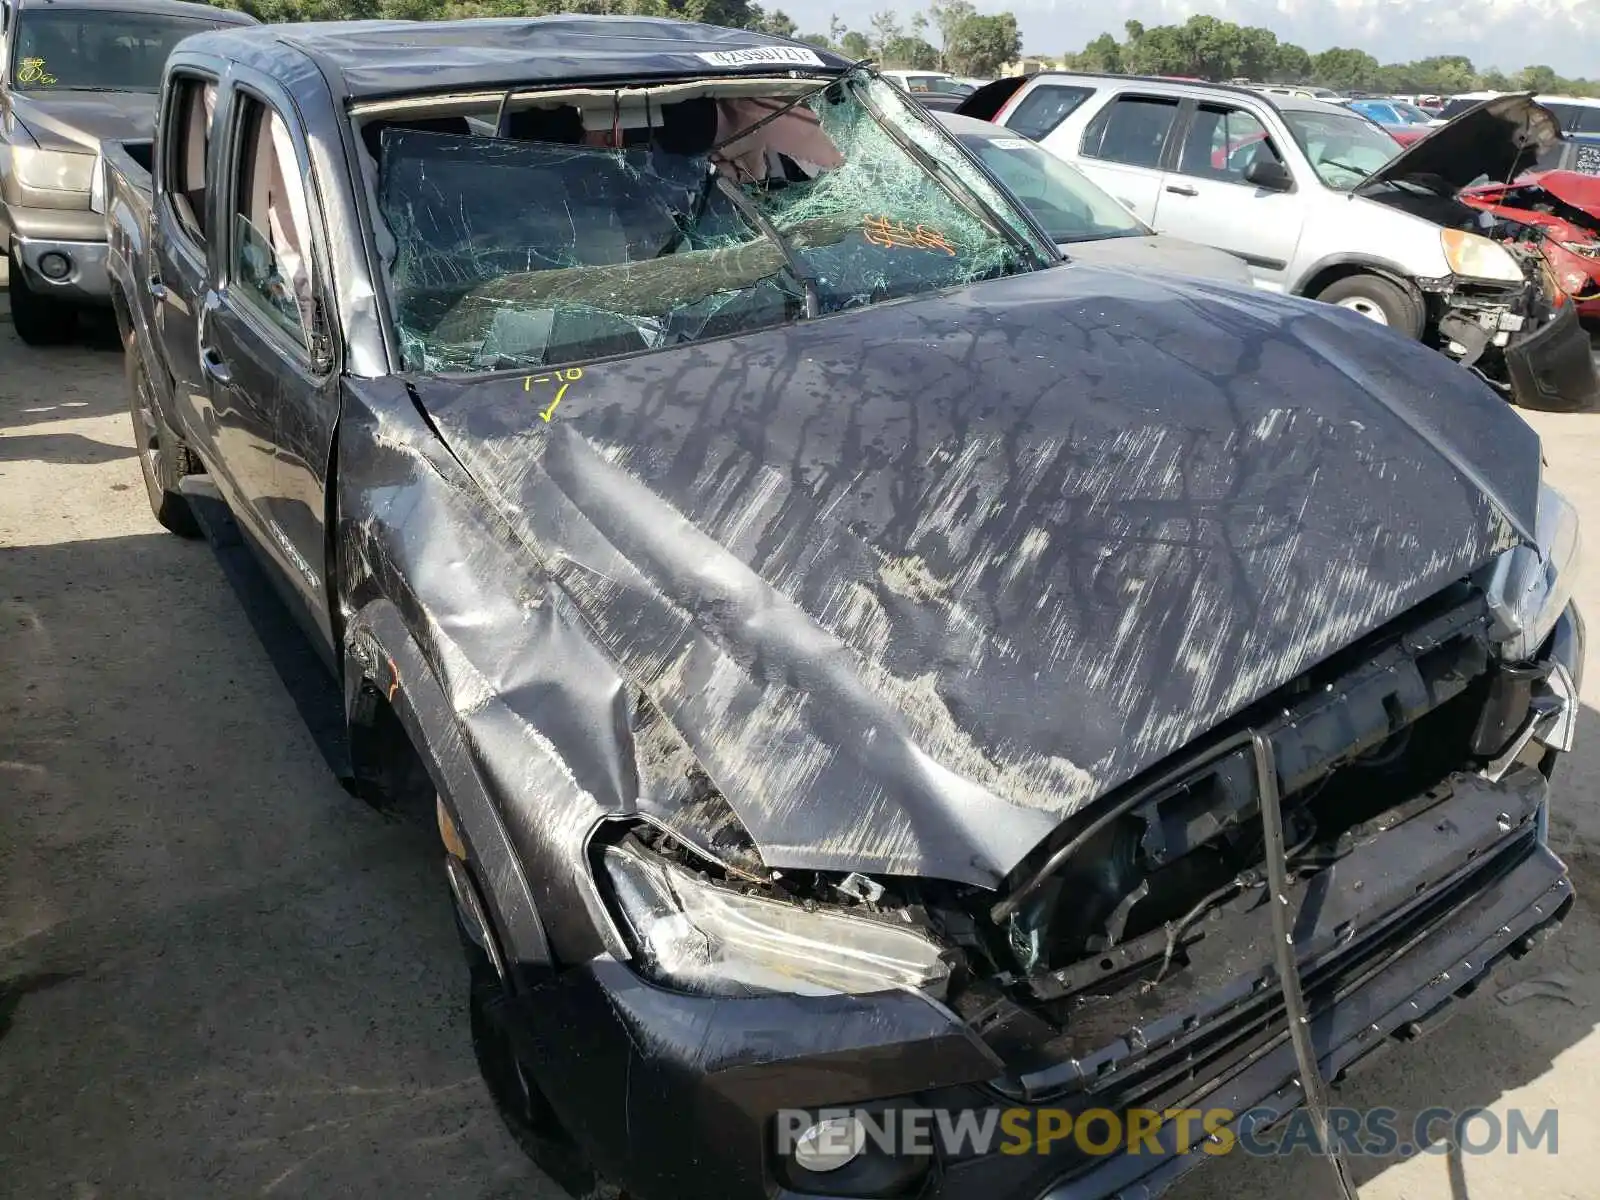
(71, 120)
(917, 582)
(1499, 138)
(1571, 187)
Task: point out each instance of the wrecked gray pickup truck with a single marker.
(857, 659)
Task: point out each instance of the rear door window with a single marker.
(187, 143)
(1131, 130)
(1041, 110)
(1585, 119)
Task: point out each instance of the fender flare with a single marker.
(379, 650)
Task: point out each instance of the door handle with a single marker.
(1181, 189)
(156, 288)
(213, 365)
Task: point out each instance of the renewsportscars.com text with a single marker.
(1372, 1132)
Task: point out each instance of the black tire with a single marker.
(523, 1109)
(163, 458)
(39, 320)
(1379, 300)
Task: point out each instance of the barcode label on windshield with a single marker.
(1011, 143)
(760, 56)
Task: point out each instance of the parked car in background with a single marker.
(934, 89)
(1086, 223)
(1299, 91)
(1405, 123)
(1323, 203)
(1563, 207)
(1465, 102)
(851, 659)
(1579, 115)
(73, 72)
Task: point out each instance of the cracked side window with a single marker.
(545, 248)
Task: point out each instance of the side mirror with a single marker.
(1269, 174)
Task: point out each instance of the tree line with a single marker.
(952, 35)
(1220, 50)
(968, 42)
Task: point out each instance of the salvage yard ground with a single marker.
(222, 976)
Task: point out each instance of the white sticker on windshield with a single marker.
(1010, 143)
(782, 56)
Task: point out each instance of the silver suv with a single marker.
(1321, 202)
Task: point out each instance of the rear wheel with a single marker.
(39, 319)
(163, 458)
(1379, 300)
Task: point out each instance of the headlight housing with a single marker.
(1476, 257)
(53, 170)
(699, 936)
(1530, 586)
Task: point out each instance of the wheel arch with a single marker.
(394, 705)
(1328, 271)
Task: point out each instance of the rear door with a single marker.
(1124, 146)
(1205, 197)
(265, 347)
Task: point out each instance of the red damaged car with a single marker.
(1565, 205)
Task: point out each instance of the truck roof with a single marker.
(170, 8)
(371, 59)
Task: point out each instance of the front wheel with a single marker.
(39, 319)
(523, 1109)
(1379, 300)
(163, 458)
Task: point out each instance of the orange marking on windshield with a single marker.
(881, 231)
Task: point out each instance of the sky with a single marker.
(1509, 34)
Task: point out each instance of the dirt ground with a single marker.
(222, 976)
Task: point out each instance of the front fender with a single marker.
(524, 720)
(380, 651)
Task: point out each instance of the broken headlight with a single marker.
(703, 937)
(1530, 586)
(1476, 257)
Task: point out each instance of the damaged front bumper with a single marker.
(670, 1090)
(1553, 367)
(1528, 342)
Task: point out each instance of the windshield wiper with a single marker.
(754, 215)
(1344, 166)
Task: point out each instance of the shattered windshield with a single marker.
(607, 229)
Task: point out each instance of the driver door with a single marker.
(1205, 198)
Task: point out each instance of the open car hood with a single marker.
(914, 583)
(1499, 138)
